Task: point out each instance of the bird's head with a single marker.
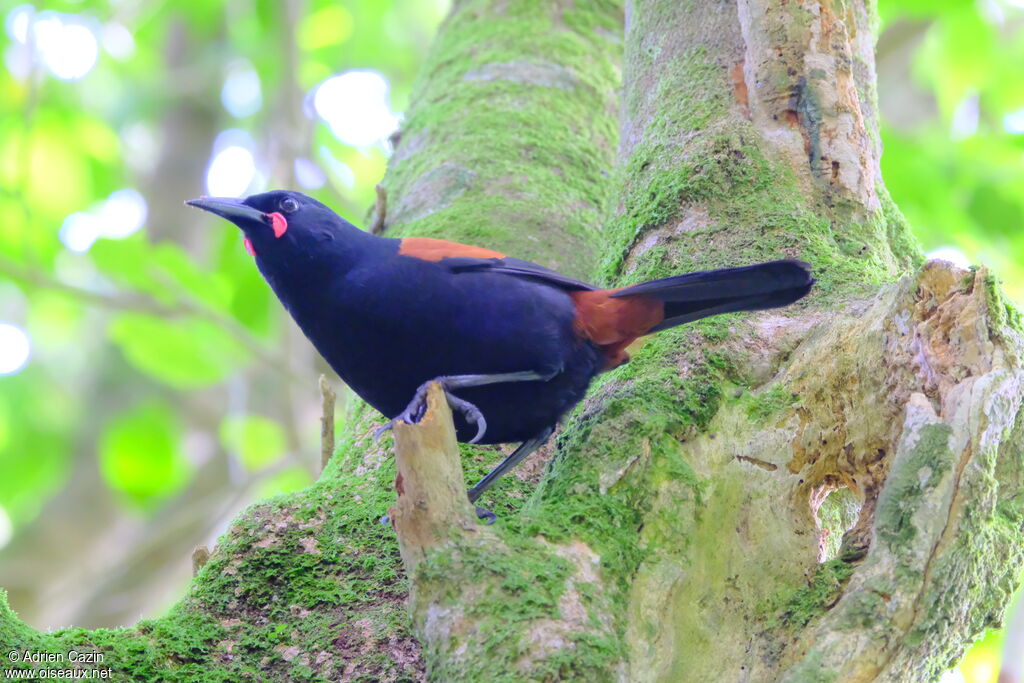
(279, 225)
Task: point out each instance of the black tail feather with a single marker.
(751, 288)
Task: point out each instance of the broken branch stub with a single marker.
(432, 500)
(327, 400)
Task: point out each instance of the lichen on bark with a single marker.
(753, 163)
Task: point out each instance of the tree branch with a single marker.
(141, 302)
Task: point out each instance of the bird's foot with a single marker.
(486, 516)
(414, 412)
(381, 431)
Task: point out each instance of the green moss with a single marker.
(302, 587)
(957, 591)
(716, 191)
(173, 648)
(12, 629)
(686, 75)
(519, 104)
(522, 584)
(1003, 312)
(755, 211)
(902, 242)
(769, 402)
(812, 670)
(989, 525)
(923, 469)
(794, 608)
(642, 421)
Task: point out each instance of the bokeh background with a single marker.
(150, 386)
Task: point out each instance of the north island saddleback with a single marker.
(514, 344)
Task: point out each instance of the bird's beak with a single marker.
(229, 207)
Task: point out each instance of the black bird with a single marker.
(514, 344)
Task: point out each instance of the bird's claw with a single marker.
(414, 412)
(486, 516)
(381, 431)
(471, 413)
(411, 415)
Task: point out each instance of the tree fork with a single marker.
(690, 526)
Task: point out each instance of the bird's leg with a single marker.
(414, 411)
(513, 459)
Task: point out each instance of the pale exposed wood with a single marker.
(200, 556)
(327, 400)
(380, 209)
(432, 508)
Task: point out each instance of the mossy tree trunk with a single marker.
(816, 493)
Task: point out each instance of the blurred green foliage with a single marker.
(147, 344)
(153, 310)
(164, 378)
(140, 454)
(257, 440)
(951, 86)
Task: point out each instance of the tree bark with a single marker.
(817, 493)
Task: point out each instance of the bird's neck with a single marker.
(306, 281)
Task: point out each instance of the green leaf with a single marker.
(53, 320)
(187, 353)
(13, 233)
(97, 139)
(258, 441)
(128, 263)
(958, 56)
(329, 26)
(213, 289)
(164, 271)
(36, 456)
(1000, 212)
(54, 162)
(140, 455)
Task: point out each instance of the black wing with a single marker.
(515, 267)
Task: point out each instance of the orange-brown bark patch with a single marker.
(739, 88)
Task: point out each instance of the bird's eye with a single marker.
(289, 205)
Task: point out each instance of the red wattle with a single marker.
(248, 247)
(278, 222)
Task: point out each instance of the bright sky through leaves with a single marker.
(64, 43)
(6, 528)
(15, 349)
(241, 94)
(120, 215)
(355, 105)
(233, 166)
